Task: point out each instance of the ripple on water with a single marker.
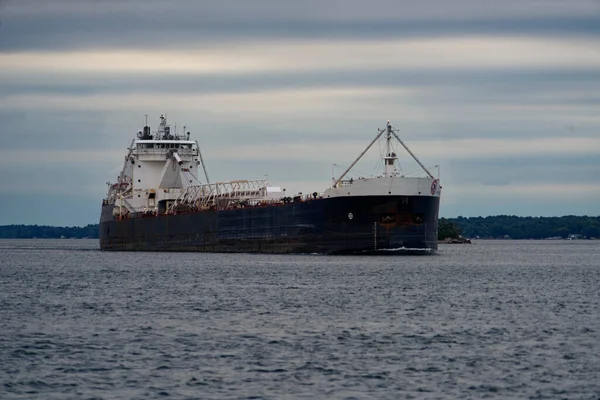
(495, 320)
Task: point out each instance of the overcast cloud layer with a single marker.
(504, 96)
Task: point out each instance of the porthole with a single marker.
(139, 180)
(139, 165)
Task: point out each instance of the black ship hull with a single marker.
(339, 225)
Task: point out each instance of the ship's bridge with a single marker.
(158, 166)
(183, 147)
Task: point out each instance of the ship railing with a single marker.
(205, 194)
(212, 203)
(228, 204)
(160, 152)
(116, 193)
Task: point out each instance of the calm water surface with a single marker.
(496, 319)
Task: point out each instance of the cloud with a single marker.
(69, 158)
(503, 95)
(256, 105)
(346, 112)
(525, 191)
(276, 56)
(528, 199)
(461, 149)
(87, 24)
(308, 9)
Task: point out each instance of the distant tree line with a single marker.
(513, 227)
(497, 227)
(48, 232)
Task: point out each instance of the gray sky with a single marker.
(503, 95)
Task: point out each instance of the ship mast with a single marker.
(390, 157)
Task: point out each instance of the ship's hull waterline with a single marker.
(341, 225)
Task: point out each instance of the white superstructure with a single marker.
(158, 167)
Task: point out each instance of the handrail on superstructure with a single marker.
(208, 194)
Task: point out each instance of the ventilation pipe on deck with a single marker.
(177, 158)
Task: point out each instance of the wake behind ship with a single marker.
(159, 204)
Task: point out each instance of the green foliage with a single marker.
(48, 232)
(447, 229)
(514, 227)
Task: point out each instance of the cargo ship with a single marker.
(159, 202)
